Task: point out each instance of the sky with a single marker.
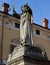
(40, 8)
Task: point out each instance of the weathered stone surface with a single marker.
(23, 53)
(25, 26)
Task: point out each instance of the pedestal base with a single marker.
(26, 55)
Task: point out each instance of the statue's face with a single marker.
(24, 8)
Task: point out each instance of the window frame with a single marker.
(37, 32)
(17, 25)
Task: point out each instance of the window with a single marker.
(17, 25)
(48, 37)
(37, 32)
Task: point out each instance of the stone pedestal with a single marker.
(25, 55)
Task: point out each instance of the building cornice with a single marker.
(11, 15)
(41, 27)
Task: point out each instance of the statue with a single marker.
(26, 26)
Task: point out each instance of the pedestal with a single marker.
(26, 55)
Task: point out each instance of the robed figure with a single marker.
(26, 26)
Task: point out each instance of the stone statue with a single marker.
(25, 25)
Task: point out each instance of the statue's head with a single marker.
(26, 8)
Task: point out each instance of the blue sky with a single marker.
(40, 8)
